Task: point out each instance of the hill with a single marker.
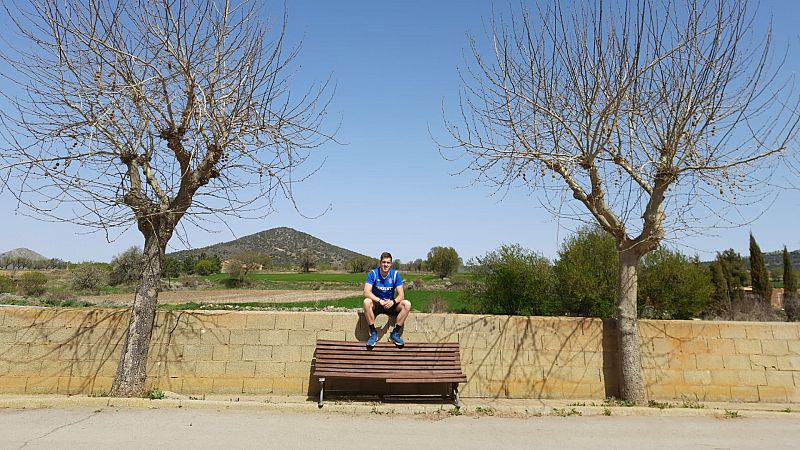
(284, 245)
(22, 253)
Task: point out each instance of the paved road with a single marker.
(124, 428)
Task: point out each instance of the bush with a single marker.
(672, 286)
(126, 267)
(587, 273)
(32, 283)
(204, 267)
(88, 277)
(513, 280)
(6, 284)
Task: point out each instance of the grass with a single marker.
(731, 414)
(691, 404)
(564, 412)
(484, 410)
(420, 300)
(156, 394)
(659, 405)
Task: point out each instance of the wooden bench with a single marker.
(416, 362)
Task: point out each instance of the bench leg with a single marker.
(321, 391)
(456, 399)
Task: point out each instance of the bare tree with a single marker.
(653, 116)
(147, 112)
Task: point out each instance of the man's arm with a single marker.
(401, 295)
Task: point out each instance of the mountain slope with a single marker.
(284, 245)
(22, 253)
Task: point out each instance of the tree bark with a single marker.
(631, 377)
(132, 369)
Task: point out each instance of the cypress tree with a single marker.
(790, 301)
(720, 298)
(758, 272)
(789, 285)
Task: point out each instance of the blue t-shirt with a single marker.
(384, 288)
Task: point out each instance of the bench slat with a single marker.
(395, 377)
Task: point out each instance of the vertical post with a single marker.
(321, 391)
(456, 399)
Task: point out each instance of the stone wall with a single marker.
(70, 351)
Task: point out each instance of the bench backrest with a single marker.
(417, 362)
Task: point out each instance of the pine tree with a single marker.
(758, 272)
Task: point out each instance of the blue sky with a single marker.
(395, 65)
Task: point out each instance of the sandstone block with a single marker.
(772, 394)
(261, 320)
(227, 353)
(257, 352)
(227, 386)
(240, 369)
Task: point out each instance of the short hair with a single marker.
(386, 255)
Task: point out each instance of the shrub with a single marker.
(88, 277)
(6, 284)
(32, 283)
(587, 275)
(126, 267)
(672, 286)
(513, 280)
(204, 267)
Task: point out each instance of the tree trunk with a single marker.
(132, 369)
(631, 377)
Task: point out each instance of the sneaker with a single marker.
(373, 338)
(394, 336)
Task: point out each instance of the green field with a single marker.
(319, 277)
(422, 301)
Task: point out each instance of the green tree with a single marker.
(126, 267)
(308, 260)
(172, 268)
(791, 302)
(204, 267)
(513, 280)
(32, 283)
(672, 286)
(189, 262)
(586, 271)
(758, 272)
(720, 303)
(443, 261)
(736, 276)
(359, 264)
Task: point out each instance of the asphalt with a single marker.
(500, 407)
(177, 422)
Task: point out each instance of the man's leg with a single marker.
(402, 309)
(369, 316)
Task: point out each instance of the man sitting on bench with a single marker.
(379, 292)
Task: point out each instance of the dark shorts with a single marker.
(377, 309)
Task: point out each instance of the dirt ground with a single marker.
(226, 296)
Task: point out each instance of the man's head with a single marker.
(386, 261)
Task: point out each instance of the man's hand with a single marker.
(386, 304)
